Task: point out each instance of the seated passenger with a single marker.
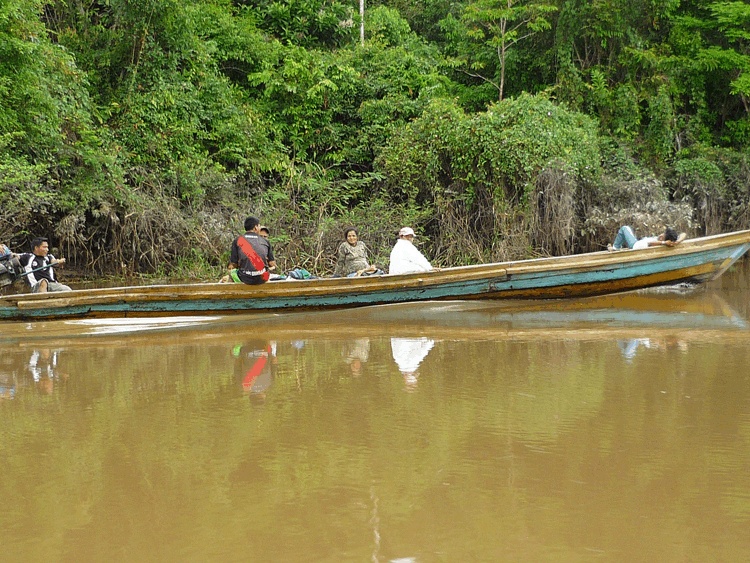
(626, 237)
(248, 259)
(405, 258)
(38, 267)
(352, 258)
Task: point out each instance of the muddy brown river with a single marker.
(607, 429)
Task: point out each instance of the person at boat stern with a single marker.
(10, 267)
(249, 256)
(626, 238)
(38, 267)
(405, 258)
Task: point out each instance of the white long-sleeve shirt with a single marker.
(406, 259)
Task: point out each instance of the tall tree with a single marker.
(733, 21)
(492, 29)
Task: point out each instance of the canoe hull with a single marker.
(599, 273)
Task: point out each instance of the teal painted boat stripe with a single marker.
(617, 271)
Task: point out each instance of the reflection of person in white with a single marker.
(43, 363)
(405, 258)
(630, 347)
(43, 368)
(408, 353)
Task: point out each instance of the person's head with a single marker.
(670, 234)
(406, 233)
(251, 224)
(410, 379)
(40, 246)
(351, 235)
(264, 232)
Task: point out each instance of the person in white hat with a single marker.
(405, 258)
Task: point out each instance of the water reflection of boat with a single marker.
(675, 311)
(695, 314)
(598, 273)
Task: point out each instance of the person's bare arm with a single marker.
(680, 238)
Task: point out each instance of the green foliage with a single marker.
(387, 27)
(115, 114)
(302, 90)
(702, 183)
(423, 16)
(396, 82)
(50, 149)
(699, 174)
(500, 150)
(21, 192)
(660, 132)
(338, 108)
(464, 165)
(307, 23)
(486, 32)
(716, 183)
(179, 125)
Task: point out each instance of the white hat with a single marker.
(406, 231)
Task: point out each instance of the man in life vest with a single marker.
(248, 259)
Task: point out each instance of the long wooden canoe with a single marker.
(598, 273)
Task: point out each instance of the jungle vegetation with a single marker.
(138, 134)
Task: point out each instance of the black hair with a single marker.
(349, 230)
(670, 234)
(36, 242)
(251, 222)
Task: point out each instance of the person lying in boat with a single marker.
(249, 256)
(352, 258)
(405, 258)
(626, 238)
(38, 267)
